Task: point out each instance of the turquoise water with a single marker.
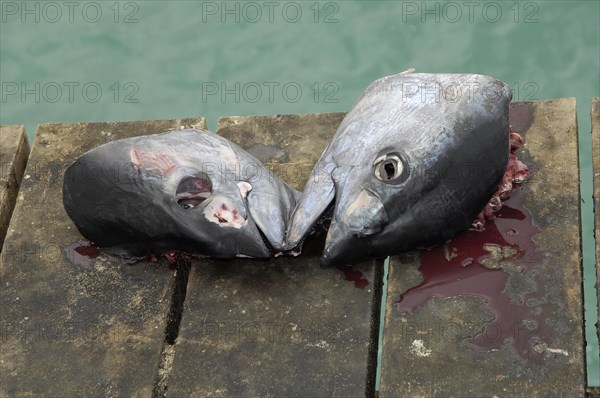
(107, 60)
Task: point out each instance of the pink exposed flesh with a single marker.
(516, 172)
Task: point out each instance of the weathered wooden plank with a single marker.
(14, 150)
(284, 327)
(514, 327)
(289, 145)
(595, 114)
(72, 326)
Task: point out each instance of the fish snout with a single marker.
(348, 236)
(343, 247)
(365, 215)
(337, 245)
(295, 231)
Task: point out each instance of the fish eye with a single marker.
(389, 167)
(189, 203)
(192, 191)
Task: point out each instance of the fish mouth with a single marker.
(318, 195)
(322, 223)
(356, 212)
(267, 244)
(344, 247)
(359, 217)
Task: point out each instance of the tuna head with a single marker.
(412, 163)
(189, 191)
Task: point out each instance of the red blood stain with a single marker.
(89, 250)
(456, 269)
(83, 253)
(353, 275)
(176, 258)
(223, 207)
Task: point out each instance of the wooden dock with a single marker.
(503, 324)
(513, 327)
(14, 151)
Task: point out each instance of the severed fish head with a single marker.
(413, 162)
(189, 191)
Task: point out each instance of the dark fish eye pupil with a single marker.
(188, 203)
(390, 170)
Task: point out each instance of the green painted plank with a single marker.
(595, 114)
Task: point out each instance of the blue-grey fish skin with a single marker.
(187, 190)
(413, 162)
